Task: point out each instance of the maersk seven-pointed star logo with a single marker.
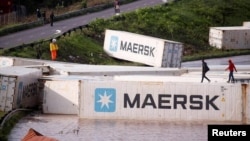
(113, 43)
(105, 99)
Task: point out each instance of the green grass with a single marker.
(77, 48)
(7, 127)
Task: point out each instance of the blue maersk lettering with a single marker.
(131, 47)
(137, 48)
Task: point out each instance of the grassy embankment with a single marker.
(184, 21)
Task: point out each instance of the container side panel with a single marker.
(248, 103)
(61, 97)
(6, 62)
(134, 47)
(177, 101)
(7, 93)
(230, 38)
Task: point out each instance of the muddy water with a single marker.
(71, 128)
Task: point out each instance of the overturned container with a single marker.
(19, 88)
(143, 49)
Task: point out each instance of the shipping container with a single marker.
(14, 61)
(110, 70)
(237, 37)
(246, 103)
(143, 49)
(18, 88)
(61, 96)
(61, 92)
(169, 101)
(246, 24)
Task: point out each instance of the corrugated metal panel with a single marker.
(172, 55)
(61, 97)
(160, 101)
(7, 92)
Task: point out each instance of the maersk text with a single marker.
(137, 48)
(168, 101)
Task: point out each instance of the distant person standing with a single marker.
(44, 17)
(38, 14)
(117, 7)
(53, 49)
(205, 69)
(52, 16)
(231, 67)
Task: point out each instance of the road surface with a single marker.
(47, 32)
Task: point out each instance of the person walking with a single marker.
(117, 7)
(205, 69)
(231, 67)
(53, 49)
(52, 18)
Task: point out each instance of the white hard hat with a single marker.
(53, 40)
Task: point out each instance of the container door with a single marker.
(172, 55)
(7, 91)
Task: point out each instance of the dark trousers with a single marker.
(231, 76)
(204, 76)
(51, 22)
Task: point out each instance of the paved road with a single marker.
(48, 32)
(238, 60)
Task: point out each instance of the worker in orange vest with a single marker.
(53, 49)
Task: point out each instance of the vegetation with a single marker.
(5, 130)
(57, 5)
(186, 21)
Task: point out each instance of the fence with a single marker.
(8, 18)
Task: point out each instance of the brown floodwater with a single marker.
(71, 128)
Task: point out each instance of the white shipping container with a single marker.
(230, 37)
(18, 87)
(143, 49)
(247, 102)
(171, 101)
(6, 62)
(61, 96)
(246, 24)
(14, 61)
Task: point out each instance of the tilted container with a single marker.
(143, 49)
(18, 87)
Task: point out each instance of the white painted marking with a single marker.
(58, 31)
